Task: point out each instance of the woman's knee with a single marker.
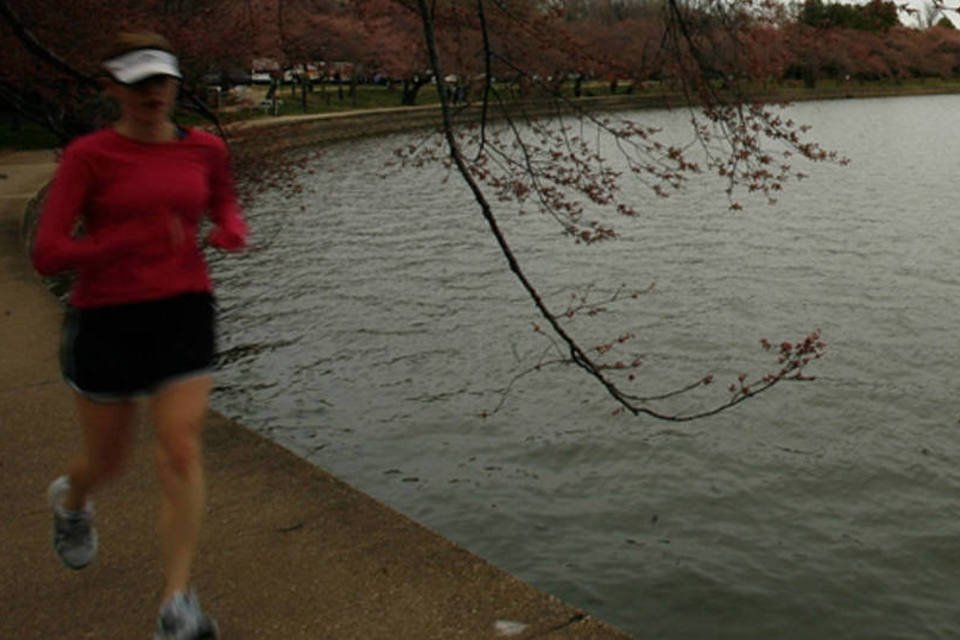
(178, 457)
(178, 412)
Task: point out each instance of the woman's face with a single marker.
(149, 101)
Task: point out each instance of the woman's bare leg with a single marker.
(178, 412)
(107, 434)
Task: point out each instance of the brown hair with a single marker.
(127, 41)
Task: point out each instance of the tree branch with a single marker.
(35, 47)
(792, 359)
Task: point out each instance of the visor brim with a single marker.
(136, 66)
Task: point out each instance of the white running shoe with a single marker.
(74, 537)
(181, 619)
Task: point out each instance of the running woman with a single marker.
(140, 324)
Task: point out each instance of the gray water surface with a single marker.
(376, 322)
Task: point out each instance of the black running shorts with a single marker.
(120, 352)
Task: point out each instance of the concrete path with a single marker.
(287, 552)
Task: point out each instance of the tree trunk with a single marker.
(410, 89)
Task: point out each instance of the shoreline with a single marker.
(289, 132)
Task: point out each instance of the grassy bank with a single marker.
(331, 99)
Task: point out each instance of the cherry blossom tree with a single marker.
(398, 54)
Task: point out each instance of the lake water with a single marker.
(376, 321)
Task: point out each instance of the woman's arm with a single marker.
(56, 247)
(230, 231)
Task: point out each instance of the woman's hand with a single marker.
(227, 237)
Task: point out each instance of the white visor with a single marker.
(140, 64)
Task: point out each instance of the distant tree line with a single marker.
(560, 44)
(876, 15)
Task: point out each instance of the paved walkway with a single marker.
(287, 552)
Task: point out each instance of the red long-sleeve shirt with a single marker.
(140, 205)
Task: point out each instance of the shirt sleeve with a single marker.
(57, 248)
(230, 231)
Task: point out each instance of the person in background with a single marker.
(123, 214)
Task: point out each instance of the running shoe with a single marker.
(181, 619)
(74, 537)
